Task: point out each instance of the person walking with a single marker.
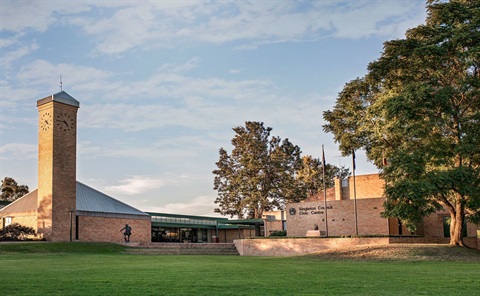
(127, 231)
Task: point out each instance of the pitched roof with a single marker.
(92, 200)
(88, 200)
(61, 97)
(26, 203)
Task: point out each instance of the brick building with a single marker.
(356, 210)
(63, 209)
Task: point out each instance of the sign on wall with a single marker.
(313, 210)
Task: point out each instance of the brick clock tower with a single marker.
(57, 145)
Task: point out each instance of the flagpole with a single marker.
(324, 192)
(354, 193)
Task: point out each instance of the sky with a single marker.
(161, 84)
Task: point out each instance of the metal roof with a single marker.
(88, 200)
(91, 200)
(61, 97)
(26, 203)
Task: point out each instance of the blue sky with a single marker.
(161, 84)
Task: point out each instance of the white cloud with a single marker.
(149, 25)
(136, 23)
(170, 99)
(22, 15)
(18, 151)
(151, 153)
(200, 206)
(246, 47)
(8, 57)
(41, 73)
(10, 41)
(179, 68)
(366, 18)
(137, 185)
(235, 71)
(11, 96)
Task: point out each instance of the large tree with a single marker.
(11, 190)
(310, 176)
(417, 115)
(259, 175)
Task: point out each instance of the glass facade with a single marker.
(180, 234)
(197, 229)
(176, 229)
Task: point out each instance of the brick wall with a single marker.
(229, 235)
(105, 229)
(56, 169)
(433, 226)
(271, 226)
(366, 186)
(340, 217)
(45, 170)
(28, 219)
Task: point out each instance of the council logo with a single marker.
(292, 211)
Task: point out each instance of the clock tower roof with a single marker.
(60, 97)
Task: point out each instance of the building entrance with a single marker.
(178, 235)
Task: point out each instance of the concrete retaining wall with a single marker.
(300, 246)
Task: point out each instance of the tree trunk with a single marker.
(259, 213)
(456, 224)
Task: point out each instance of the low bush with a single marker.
(15, 232)
(279, 233)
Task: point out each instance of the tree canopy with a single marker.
(261, 173)
(418, 110)
(310, 175)
(11, 190)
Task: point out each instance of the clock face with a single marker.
(46, 121)
(65, 122)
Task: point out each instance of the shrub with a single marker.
(279, 233)
(15, 232)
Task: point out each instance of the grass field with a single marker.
(104, 269)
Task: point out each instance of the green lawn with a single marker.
(103, 269)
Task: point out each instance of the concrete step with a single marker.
(184, 249)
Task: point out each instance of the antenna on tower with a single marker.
(61, 86)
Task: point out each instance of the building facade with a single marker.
(200, 229)
(63, 209)
(356, 211)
